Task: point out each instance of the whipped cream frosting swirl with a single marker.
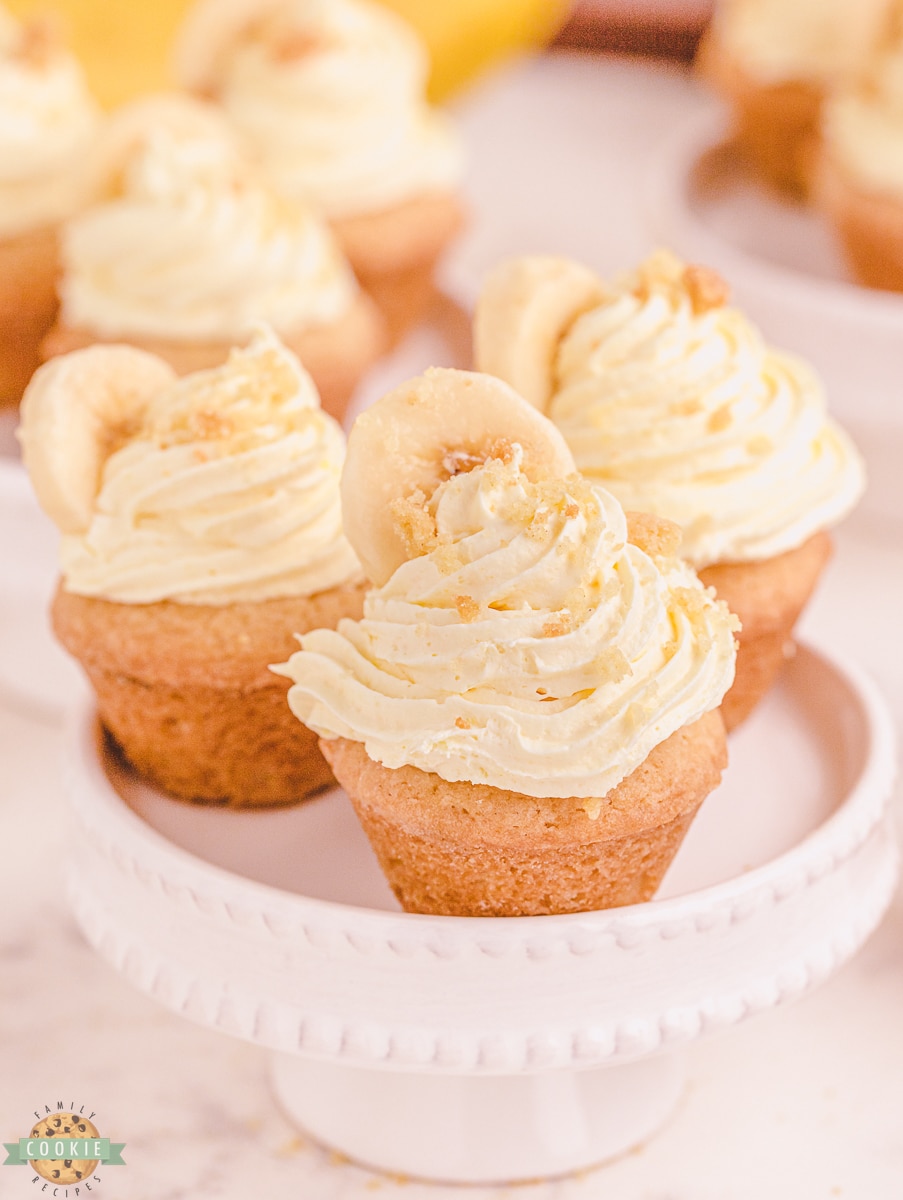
(183, 242)
(47, 120)
(329, 95)
(687, 414)
(532, 648)
(863, 127)
(822, 41)
(227, 491)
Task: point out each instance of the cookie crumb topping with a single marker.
(468, 608)
(657, 536)
(706, 289)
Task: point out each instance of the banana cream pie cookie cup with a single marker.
(669, 398)
(47, 120)
(201, 525)
(329, 95)
(860, 178)
(526, 717)
(775, 62)
(183, 248)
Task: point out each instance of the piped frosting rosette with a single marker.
(218, 487)
(47, 120)
(330, 96)
(523, 641)
(670, 398)
(183, 242)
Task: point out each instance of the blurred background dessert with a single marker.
(182, 248)
(328, 97)
(47, 119)
(774, 62)
(860, 181)
(126, 47)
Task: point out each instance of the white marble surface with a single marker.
(801, 1104)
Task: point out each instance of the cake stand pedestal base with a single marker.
(486, 1129)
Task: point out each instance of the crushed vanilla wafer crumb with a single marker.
(706, 289)
(414, 523)
(612, 665)
(468, 609)
(657, 536)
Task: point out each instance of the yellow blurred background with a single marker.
(125, 44)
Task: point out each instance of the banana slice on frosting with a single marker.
(75, 412)
(413, 439)
(526, 307)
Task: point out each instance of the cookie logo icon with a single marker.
(65, 1150)
(64, 1125)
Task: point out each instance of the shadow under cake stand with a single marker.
(492, 1050)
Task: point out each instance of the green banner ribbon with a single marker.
(43, 1149)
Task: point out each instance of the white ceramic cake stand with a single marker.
(489, 1050)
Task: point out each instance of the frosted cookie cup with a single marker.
(775, 64)
(183, 248)
(329, 96)
(47, 120)
(860, 175)
(525, 717)
(201, 530)
(670, 399)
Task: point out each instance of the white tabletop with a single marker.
(801, 1104)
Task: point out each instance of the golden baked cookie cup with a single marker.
(187, 694)
(768, 598)
(867, 224)
(394, 254)
(775, 126)
(28, 303)
(461, 849)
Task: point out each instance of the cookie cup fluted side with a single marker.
(335, 355)
(465, 849)
(29, 263)
(868, 225)
(186, 692)
(768, 597)
(775, 125)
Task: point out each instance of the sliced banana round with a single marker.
(76, 411)
(416, 437)
(208, 32)
(524, 310)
